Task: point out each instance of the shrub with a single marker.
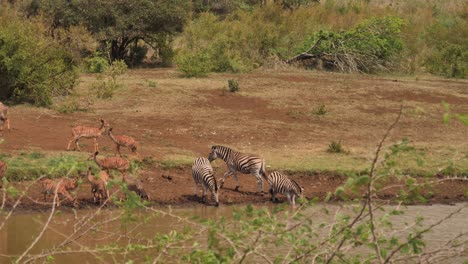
(194, 64)
(107, 82)
(320, 110)
(370, 46)
(34, 67)
(335, 147)
(233, 86)
(449, 56)
(96, 64)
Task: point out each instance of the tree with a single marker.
(33, 67)
(117, 24)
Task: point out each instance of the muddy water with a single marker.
(21, 228)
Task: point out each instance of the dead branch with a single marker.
(305, 55)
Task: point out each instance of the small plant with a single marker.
(73, 105)
(107, 82)
(320, 110)
(335, 147)
(96, 64)
(152, 84)
(233, 86)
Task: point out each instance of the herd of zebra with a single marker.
(202, 171)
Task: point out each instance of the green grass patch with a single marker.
(174, 161)
(32, 165)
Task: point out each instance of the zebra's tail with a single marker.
(263, 171)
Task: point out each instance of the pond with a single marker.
(95, 230)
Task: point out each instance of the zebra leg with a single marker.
(272, 195)
(259, 182)
(196, 189)
(237, 181)
(227, 173)
(291, 201)
(204, 193)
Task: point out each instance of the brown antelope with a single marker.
(4, 116)
(107, 164)
(133, 184)
(87, 132)
(124, 141)
(98, 185)
(62, 186)
(3, 168)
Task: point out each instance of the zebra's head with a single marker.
(213, 154)
(299, 189)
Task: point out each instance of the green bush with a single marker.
(96, 64)
(233, 86)
(33, 67)
(108, 81)
(449, 41)
(335, 147)
(372, 45)
(194, 64)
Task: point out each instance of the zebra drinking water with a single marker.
(202, 173)
(239, 162)
(279, 183)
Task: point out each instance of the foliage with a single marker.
(237, 44)
(448, 115)
(193, 64)
(335, 147)
(320, 110)
(372, 45)
(33, 67)
(108, 81)
(95, 64)
(449, 41)
(233, 86)
(118, 24)
(29, 166)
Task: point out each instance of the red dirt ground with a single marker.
(49, 131)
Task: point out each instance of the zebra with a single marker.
(239, 162)
(279, 183)
(202, 173)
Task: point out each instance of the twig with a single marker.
(46, 225)
(420, 233)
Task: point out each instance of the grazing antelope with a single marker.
(202, 173)
(106, 164)
(62, 186)
(124, 141)
(279, 183)
(98, 185)
(239, 162)
(135, 185)
(4, 116)
(3, 168)
(87, 132)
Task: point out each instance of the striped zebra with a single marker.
(202, 173)
(239, 162)
(279, 183)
